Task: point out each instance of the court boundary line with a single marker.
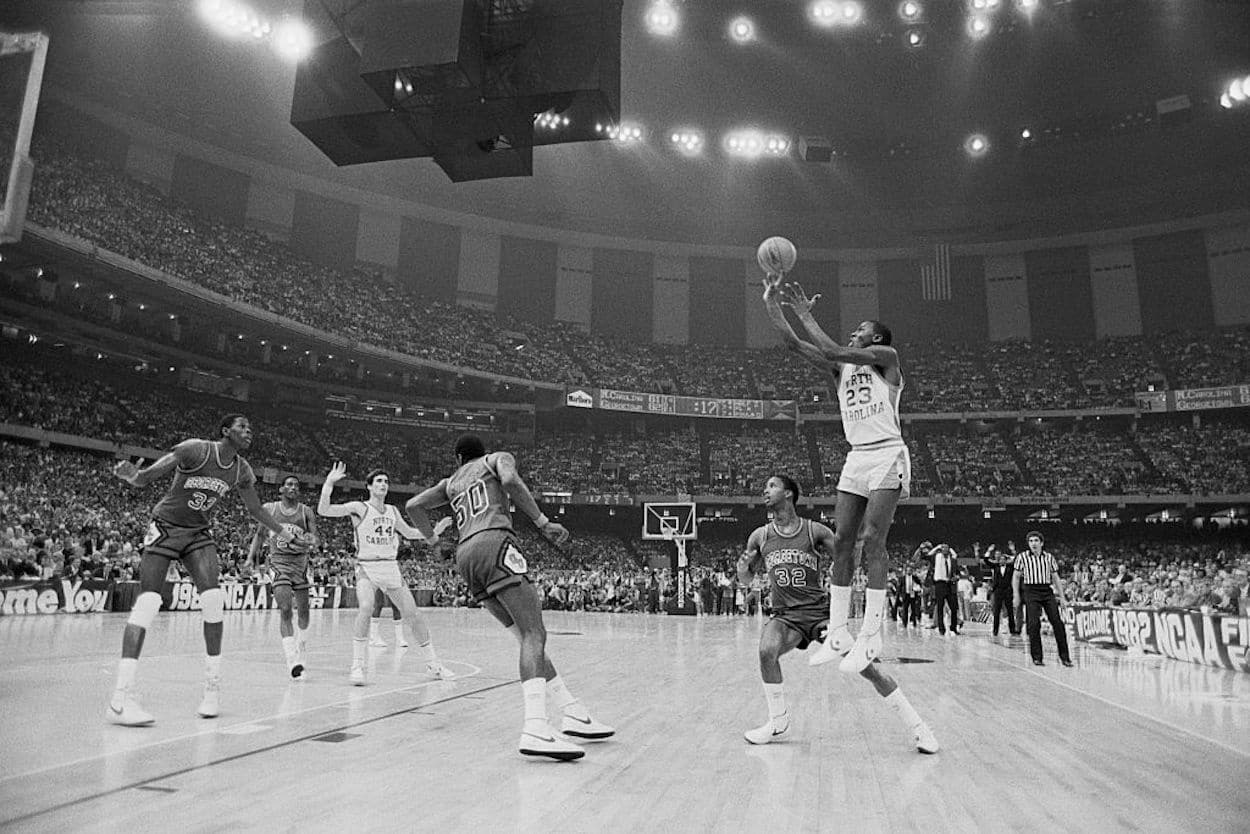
(243, 755)
(1163, 721)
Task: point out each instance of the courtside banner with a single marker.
(716, 407)
(29, 598)
(182, 596)
(1195, 399)
(1220, 640)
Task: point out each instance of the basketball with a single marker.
(776, 255)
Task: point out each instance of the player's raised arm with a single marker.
(416, 532)
(187, 452)
(809, 351)
(416, 507)
(510, 479)
(324, 507)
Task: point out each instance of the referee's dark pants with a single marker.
(1036, 599)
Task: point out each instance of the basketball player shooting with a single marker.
(789, 548)
(877, 472)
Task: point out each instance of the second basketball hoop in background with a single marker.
(776, 255)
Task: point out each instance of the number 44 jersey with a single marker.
(478, 498)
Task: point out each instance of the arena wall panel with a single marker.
(429, 257)
(575, 285)
(210, 189)
(717, 308)
(1228, 260)
(377, 239)
(622, 305)
(270, 209)
(1173, 282)
(1113, 283)
(858, 297)
(477, 282)
(527, 278)
(760, 332)
(1061, 304)
(1006, 297)
(150, 164)
(670, 321)
(324, 230)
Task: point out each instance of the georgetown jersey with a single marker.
(869, 407)
(478, 498)
(293, 523)
(195, 492)
(376, 536)
(793, 567)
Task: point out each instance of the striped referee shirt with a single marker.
(1036, 570)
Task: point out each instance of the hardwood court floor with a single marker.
(1116, 744)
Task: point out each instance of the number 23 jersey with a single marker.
(478, 498)
(195, 492)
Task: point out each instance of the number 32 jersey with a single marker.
(195, 493)
(793, 567)
(478, 498)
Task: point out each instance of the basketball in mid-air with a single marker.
(776, 255)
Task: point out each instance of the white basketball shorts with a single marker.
(383, 574)
(885, 468)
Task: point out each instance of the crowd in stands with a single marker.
(93, 201)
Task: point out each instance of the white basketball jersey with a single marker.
(869, 407)
(376, 536)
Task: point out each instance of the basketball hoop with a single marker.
(670, 532)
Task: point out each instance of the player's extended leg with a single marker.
(878, 516)
(124, 708)
(402, 598)
(848, 514)
(301, 623)
(887, 688)
(776, 638)
(205, 570)
(375, 623)
(286, 627)
(365, 595)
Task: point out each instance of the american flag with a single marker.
(935, 278)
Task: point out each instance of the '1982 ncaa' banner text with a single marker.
(1221, 640)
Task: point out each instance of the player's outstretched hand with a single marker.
(793, 296)
(555, 533)
(337, 472)
(772, 285)
(126, 470)
(441, 525)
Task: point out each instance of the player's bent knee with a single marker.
(213, 605)
(144, 610)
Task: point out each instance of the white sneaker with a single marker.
(867, 648)
(587, 728)
(836, 644)
(773, 728)
(439, 671)
(357, 676)
(545, 743)
(209, 707)
(926, 742)
(400, 640)
(293, 664)
(127, 712)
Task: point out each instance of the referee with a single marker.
(1037, 575)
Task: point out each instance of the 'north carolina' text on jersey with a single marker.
(195, 492)
(869, 407)
(793, 567)
(478, 498)
(376, 537)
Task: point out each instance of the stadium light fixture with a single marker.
(978, 26)
(742, 30)
(977, 145)
(823, 13)
(910, 10)
(662, 19)
(292, 39)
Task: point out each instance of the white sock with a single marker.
(360, 646)
(566, 700)
(535, 692)
(212, 666)
(874, 610)
(903, 708)
(126, 669)
(775, 694)
(839, 606)
(288, 646)
(301, 635)
(427, 651)
(375, 624)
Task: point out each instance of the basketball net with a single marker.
(668, 529)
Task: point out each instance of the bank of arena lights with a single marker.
(621, 132)
(289, 37)
(662, 18)
(750, 144)
(1236, 93)
(689, 142)
(823, 12)
(550, 121)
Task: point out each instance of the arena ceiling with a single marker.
(1088, 71)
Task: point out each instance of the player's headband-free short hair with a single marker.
(227, 422)
(376, 473)
(789, 483)
(288, 477)
(881, 330)
(1033, 534)
(470, 447)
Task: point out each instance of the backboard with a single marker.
(667, 521)
(22, 59)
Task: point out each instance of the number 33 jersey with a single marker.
(478, 498)
(195, 493)
(793, 567)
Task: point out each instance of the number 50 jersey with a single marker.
(478, 498)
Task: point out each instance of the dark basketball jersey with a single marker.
(478, 498)
(793, 567)
(194, 494)
(294, 523)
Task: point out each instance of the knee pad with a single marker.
(213, 605)
(144, 610)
